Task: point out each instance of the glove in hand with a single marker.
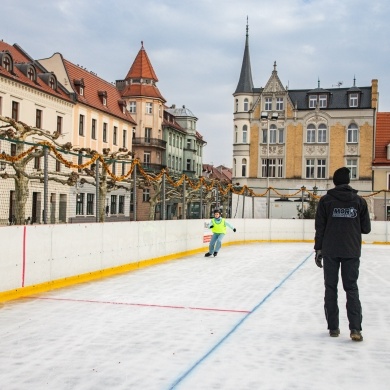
(234, 230)
(318, 258)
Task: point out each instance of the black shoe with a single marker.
(215, 254)
(207, 254)
(356, 335)
(334, 332)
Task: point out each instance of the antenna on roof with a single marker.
(339, 84)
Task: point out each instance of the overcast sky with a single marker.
(196, 47)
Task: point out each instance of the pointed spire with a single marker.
(354, 80)
(245, 83)
(318, 82)
(142, 67)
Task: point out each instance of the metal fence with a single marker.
(41, 183)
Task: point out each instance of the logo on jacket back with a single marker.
(348, 212)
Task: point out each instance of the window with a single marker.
(236, 105)
(148, 134)
(188, 144)
(80, 204)
(323, 101)
(315, 168)
(58, 166)
(235, 134)
(145, 195)
(93, 129)
(352, 166)
(113, 204)
(279, 104)
(265, 136)
(104, 101)
(272, 134)
(281, 136)
(13, 149)
(115, 135)
(121, 205)
(15, 111)
(59, 124)
(52, 83)
(149, 108)
(321, 168)
(132, 107)
(38, 119)
(322, 133)
(268, 104)
(352, 133)
(7, 63)
(246, 104)
(104, 132)
(312, 101)
(37, 163)
(310, 166)
(147, 158)
(31, 73)
(353, 100)
(188, 164)
(90, 201)
(271, 167)
(311, 133)
(81, 125)
(124, 138)
(243, 167)
(245, 134)
(81, 89)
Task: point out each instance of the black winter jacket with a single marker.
(341, 218)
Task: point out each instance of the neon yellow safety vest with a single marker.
(218, 227)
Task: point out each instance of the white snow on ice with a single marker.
(250, 319)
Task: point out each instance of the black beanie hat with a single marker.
(341, 176)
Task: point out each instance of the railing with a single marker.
(150, 142)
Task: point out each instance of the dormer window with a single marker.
(6, 61)
(353, 100)
(122, 105)
(79, 84)
(49, 79)
(28, 70)
(321, 100)
(103, 97)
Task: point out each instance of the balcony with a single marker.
(155, 142)
(152, 167)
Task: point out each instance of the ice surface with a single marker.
(250, 319)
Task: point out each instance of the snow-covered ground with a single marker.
(250, 319)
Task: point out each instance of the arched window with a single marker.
(322, 132)
(234, 167)
(352, 134)
(236, 105)
(235, 134)
(244, 134)
(246, 104)
(243, 167)
(311, 133)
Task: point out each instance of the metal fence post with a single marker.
(184, 199)
(135, 192)
(45, 183)
(163, 197)
(97, 179)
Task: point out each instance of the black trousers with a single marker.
(349, 277)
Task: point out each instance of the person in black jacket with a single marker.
(341, 218)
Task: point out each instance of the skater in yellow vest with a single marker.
(218, 227)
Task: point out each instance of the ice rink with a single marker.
(250, 319)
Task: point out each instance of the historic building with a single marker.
(292, 138)
(33, 95)
(381, 166)
(100, 121)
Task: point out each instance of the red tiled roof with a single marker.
(144, 90)
(92, 86)
(19, 57)
(142, 67)
(382, 138)
(221, 173)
